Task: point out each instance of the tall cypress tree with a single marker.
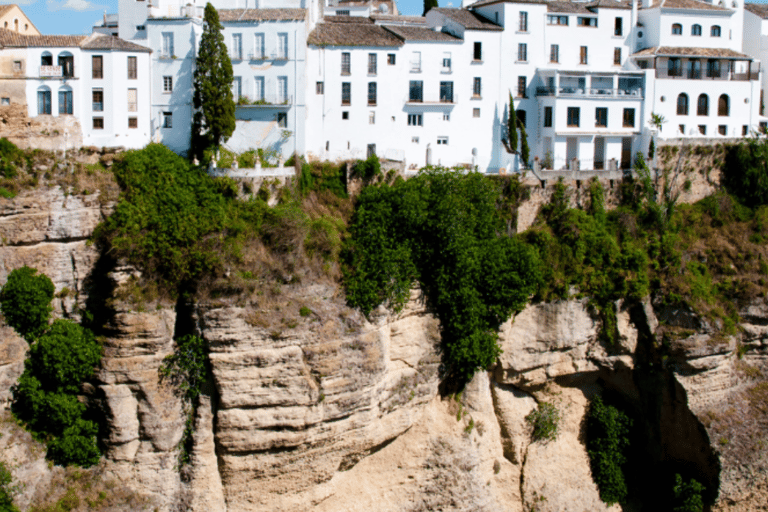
(215, 109)
(512, 126)
(525, 151)
(428, 4)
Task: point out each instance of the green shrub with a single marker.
(544, 420)
(6, 490)
(607, 442)
(305, 311)
(369, 168)
(11, 158)
(687, 495)
(745, 173)
(25, 301)
(7, 194)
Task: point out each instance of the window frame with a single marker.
(696, 30)
(132, 71)
(683, 104)
(346, 63)
(547, 121)
(522, 86)
(522, 52)
(583, 56)
(477, 52)
(618, 26)
(416, 91)
(97, 67)
(554, 53)
(677, 29)
(628, 118)
(372, 93)
(601, 114)
(617, 56)
(446, 91)
(97, 105)
(167, 84)
(715, 31)
(523, 22)
(574, 117)
(346, 93)
(477, 87)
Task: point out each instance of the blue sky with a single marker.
(78, 16)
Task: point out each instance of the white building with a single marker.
(102, 81)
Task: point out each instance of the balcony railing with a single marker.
(51, 72)
(705, 74)
(590, 92)
(432, 100)
(266, 101)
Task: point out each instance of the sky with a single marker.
(78, 16)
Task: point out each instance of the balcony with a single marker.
(265, 102)
(413, 101)
(51, 72)
(574, 92)
(257, 56)
(707, 74)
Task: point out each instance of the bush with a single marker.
(11, 158)
(369, 168)
(745, 174)
(607, 441)
(25, 301)
(544, 420)
(6, 490)
(687, 495)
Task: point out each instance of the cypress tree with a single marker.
(512, 126)
(428, 4)
(525, 151)
(215, 109)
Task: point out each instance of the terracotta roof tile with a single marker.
(347, 19)
(758, 9)
(352, 34)
(491, 2)
(672, 51)
(568, 8)
(229, 15)
(105, 42)
(610, 4)
(686, 4)
(399, 18)
(12, 39)
(5, 8)
(468, 19)
(421, 34)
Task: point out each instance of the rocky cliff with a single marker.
(333, 412)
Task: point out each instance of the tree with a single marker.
(25, 301)
(525, 151)
(511, 142)
(215, 107)
(429, 4)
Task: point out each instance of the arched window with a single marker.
(715, 31)
(67, 62)
(44, 100)
(682, 105)
(696, 30)
(723, 105)
(677, 29)
(65, 100)
(16, 25)
(46, 59)
(703, 105)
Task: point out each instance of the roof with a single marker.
(7, 7)
(421, 34)
(568, 7)
(481, 3)
(399, 18)
(352, 34)
(672, 51)
(347, 19)
(758, 9)
(468, 19)
(686, 4)
(610, 4)
(229, 15)
(12, 39)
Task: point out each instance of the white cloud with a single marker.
(72, 5)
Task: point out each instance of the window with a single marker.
(372, 64)
(713, 68)
(446, 62)
(523, 26)
(282, 46)
(133, 122)
(521, 87)
(65, 102)
(258, 46)
(167, 84)
(702, 129)
(696, 30)
(133, 102)
(98, 123)
(446, 116)
(478, 52)
(557, 20)
(282, 119)
(391, 59)
(345, 63)
(682, 129)
(371, 93)
(342, 12)
(415, 62)
(744, 130)
(371, 117)
(694, 69)
(617, 26)
(282, 90)
(629, 118)
(682, 105)
(416, 91)
(722, 130)
(44, 102)
(522, 52)
(442, 141)
(554, 53)
(371, 150)
(97, 66)
(547, 117)
(601, 117)
(258, 86)
(715, 31)
(415, 140)
(475, 112)
(139, 28)
(167, 49)
(723, 105)
(132, 70)
(237, 47)
(677, 29)
(46, 59)
(674, 67)
(703, 105)
(617, 56)
(98, 100)
(415, 120)
(237, 88)
(345, 115)
(583, 21)
(522, 117)
(583, 55)
(573, 116)
(477, 87)
(320, 88)
(346, 93)
(446, 92)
